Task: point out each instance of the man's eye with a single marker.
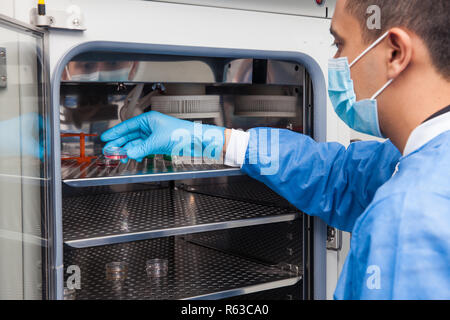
(336, 44)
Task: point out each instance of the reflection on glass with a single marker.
(101, 71)
(22, 135)
(115, 69)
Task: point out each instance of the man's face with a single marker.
(367, 73)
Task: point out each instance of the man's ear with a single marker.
(400, 52)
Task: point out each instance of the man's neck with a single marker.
(410, 108)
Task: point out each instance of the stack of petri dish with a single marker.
(116, 271)
(69, 294)
(112, 157)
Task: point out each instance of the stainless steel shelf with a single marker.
(95, 220)
(244, 189)
(149, 170)
(194, 272)
(281, 243)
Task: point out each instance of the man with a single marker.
(394, 196)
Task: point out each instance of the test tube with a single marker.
(157, 268)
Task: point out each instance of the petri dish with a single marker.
(157, 268)
(116, 270)
(114, 153)
(69, 294)
(105, 162)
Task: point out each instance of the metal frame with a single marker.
(320, 99)
(316, 235)
(23, 26)
(50, 167)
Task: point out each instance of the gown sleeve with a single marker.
(321, 179)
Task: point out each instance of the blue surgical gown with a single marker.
(400, 224)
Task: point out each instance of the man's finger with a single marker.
(123, 140)
(122, 129)
(140, 150)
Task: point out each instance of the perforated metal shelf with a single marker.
(245, 189)
(194, 272)
(95, 220)
(149, 170)
(281, 243)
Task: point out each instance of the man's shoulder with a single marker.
(412, 207)
(422, 175)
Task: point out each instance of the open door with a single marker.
(25, 182)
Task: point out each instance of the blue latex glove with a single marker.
(157, 133)
(21, 136)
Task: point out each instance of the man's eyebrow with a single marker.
(335, 34)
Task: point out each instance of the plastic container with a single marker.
(69, 294)
(157, 268)
(116, 270)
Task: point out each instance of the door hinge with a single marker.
(334, 239)
(70, 19)
(289, 268)
(3, 73)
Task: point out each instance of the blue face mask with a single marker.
(362, 115)
(115, 75)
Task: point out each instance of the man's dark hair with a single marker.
(428, 19)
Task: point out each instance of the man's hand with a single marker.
(157, 133)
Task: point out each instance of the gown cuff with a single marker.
(237, 148)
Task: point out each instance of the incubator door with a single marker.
(24, 165)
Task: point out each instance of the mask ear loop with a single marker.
(381, 90)
(369, 48)
(69, 76)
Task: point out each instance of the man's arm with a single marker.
(321, 179)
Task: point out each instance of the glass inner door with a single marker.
(24, 182)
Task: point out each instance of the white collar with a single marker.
(426, 132)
